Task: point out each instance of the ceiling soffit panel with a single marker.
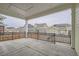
(4, 6)
(57, 8)
(9, 10)
(37, 8)
(18, 11)
(25, 10)
(11, 13)
(23, 6)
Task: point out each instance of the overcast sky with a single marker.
(56, 18)
(14, 22)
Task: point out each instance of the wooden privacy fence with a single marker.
(12, 35)
(52, 37)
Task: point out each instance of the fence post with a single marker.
(54, 38)
(37, 34)
(70, 39)
(24, 34)
(50, 36)
(0, 37)
(12, 35)
(20, 34)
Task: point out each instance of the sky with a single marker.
(14, 22)
(56, 18)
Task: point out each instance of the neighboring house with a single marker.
(31, 28)
(62, 28)
(57, 28)
(20, 29)
(1, 27)
(10, 29)
(13, 29)
(41, 27)
(51, 29)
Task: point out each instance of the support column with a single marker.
(73, 26)
(26, 27)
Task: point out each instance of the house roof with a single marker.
(62, 25)
(30, 26)
(41, 25)
(10, 27)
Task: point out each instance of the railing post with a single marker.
(37, 34)
(70, 39)
(20, 34)
(12, 36)
(24, 34)
(54, 38)
(0, 36)
(50, 34)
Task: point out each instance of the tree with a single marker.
(2, 17)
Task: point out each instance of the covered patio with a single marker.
(33, 47)
(29, 46)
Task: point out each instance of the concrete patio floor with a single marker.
(32, 47)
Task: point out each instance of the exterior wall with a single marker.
(60, 30)
(1, 26)
(31, 30)
(77, 29)
(1, 29)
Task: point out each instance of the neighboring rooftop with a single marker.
(41, 25)
(62, 25)
(30, 26)
(2, 17)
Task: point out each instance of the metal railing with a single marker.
(52, 37)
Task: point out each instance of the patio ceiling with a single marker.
(27, 10)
